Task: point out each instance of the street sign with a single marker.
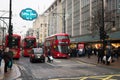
(28, 14)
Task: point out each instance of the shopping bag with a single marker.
(51, 58)
(109, 59)
(9, 64)
(104, 58)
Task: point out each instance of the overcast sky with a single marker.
(17, 5)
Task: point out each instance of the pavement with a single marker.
(12, 74)
(93, 60)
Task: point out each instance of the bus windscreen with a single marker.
(30, 43)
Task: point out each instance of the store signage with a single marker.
(81, 46)
(28, 14)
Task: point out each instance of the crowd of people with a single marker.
(7, 55)
(105, 55)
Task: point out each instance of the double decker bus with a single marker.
(28, 43)
(58, 45)
(14, 44)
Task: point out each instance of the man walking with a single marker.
(100, 54)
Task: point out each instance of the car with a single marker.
(36, 55)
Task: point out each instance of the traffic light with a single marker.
(10, 31)
(103, 35)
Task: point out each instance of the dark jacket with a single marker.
(108, 52)
(100, 52)
(1, 53)
(11, 55)
(6, 56)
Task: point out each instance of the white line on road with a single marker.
(85, 63)
(22, 68)
(19, 79)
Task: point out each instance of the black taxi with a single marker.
(37, 55)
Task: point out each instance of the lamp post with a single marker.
(10, 17)
(101, 30)
(10, 31)
(103, 34)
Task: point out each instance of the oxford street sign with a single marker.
(28, 14)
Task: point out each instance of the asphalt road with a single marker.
(64, 69)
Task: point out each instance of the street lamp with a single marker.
(10, 17)
(101, 29)
(10, 29)
(103, 33)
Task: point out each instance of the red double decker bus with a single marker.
(28, 43)
(58, 45)
(14, 44)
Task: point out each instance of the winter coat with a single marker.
(6, 57)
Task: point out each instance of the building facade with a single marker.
(30, 32)
(82, 19)
(55, 18)
(40, 28)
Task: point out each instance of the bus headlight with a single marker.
(54, 46)
(58, 54)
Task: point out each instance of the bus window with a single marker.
(62, 37)
(30, 43)
(62, 49)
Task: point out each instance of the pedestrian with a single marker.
(108, 55)
(95, 51)
(6, 57)
(11, 58)
(116, 53)
(89, 51)
(50, 58)
(100, 54)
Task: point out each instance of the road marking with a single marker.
(19, 79)
(85, 63)
(57, 61)
(83, 78)
(22, 68)
(103, 77)
(51, 64)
